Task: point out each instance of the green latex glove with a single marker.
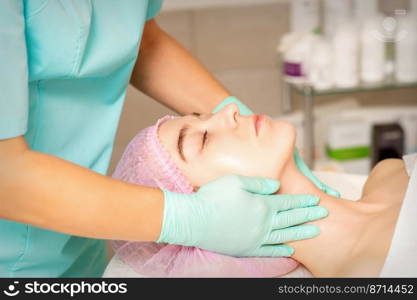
(236, 215)
(244, 110)
(304, 169)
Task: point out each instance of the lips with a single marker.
(258, 122)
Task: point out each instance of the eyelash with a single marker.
(204, 139)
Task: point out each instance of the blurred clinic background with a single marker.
(343, 71)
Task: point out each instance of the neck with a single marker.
(329, 253)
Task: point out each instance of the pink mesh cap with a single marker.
(146, 162)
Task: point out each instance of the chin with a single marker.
(284, 140)
(285, 132)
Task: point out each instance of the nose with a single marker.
(229, 114)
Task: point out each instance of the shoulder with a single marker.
(388, 176)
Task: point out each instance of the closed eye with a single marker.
(205, 134)
(204, 139)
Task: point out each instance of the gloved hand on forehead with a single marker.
(302, 166)
(238, 216)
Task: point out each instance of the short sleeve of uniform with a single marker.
(154, 6)
(13, 70)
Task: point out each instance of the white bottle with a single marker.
(364, 9)
(372, 42)
(296, 57)
(304, 15)
(372, 48)
(321, 68)
(406, 47)
(345, 47)
(336, 13)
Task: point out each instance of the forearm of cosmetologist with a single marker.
(170, 74)
(48, 192)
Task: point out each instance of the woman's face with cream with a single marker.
(205, 147)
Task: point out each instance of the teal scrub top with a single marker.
(64, 69)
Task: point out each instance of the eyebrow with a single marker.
(181, 138)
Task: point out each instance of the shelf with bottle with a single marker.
(386, 84)
(388, 72)
(335, 55)
(308, 93)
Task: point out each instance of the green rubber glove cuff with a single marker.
(243, 109)
(304, 169)
(178, 208)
